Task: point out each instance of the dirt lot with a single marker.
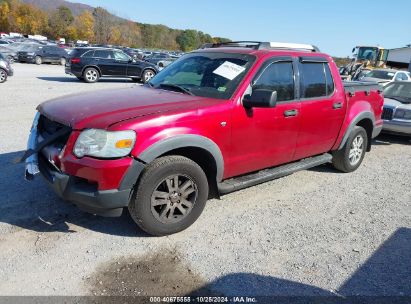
(317, 232)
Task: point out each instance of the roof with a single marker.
(261, 53)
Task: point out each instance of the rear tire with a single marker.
(170, 196)
(350, 157)
(38, 60)
(91, 75)
(3, 76)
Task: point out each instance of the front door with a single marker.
(121, 61)
(266, 137)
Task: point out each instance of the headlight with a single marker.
(104, 144)
(403, 114)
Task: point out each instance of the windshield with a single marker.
(402, 90)
(367, 53)
(388, 75)
(214, 75)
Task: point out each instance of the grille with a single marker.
(47, 127)
(387, 113)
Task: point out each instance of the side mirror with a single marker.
(260, 98)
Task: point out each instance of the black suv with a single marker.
(89, 64)
(39, 54)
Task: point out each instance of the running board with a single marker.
(245, 181)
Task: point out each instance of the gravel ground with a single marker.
(317, 232)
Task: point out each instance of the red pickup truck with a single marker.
(217, 120)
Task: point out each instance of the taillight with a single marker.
(75, 60)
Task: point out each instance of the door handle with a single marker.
(337, 105)
(290, 113)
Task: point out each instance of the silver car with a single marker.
(397, 108)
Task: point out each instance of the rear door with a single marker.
(47, 54)
(105, 61)
(265, 137)
(322, 107)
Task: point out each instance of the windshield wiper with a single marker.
(175, 86)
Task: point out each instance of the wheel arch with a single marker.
(198, 148)
(92, 66)
(365, 120)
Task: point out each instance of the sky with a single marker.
(335, 26)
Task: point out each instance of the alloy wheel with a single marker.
(356, 150)
(91, 75)
(148, 75)
(174, 198)
(3, 75)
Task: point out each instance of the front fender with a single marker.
(182, 141)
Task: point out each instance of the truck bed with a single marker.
(357, 86)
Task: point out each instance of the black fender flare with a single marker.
(363, 115)
(182, 141)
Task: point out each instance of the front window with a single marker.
(121, 56)
(212, 74)
(367, 53)
(388, 75)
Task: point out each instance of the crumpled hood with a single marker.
(395, 103)
(100, 109)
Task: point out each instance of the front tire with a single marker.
(350, 157)
(3, 76)
(38, 60)
(147, 75)
(170, 196)
(91, 75)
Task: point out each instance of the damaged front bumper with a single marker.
(32, 162)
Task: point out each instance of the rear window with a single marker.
(88, 54)
(102, 54)
(316, 80)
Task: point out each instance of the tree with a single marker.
(84, 26)
(103, 25)
(4, 16)
(59, 21)
(188, 40)
(28, 20)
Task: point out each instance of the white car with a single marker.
(385, 76)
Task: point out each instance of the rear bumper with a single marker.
(86, 196)
(397, 126)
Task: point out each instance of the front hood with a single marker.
(372, 79)
(392, 103)
(100, 109)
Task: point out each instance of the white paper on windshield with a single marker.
(229, 70)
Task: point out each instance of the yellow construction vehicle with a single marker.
(364, 58)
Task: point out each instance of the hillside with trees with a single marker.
(95, 25)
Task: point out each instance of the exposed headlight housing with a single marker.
(403, 114)
(104, 144)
